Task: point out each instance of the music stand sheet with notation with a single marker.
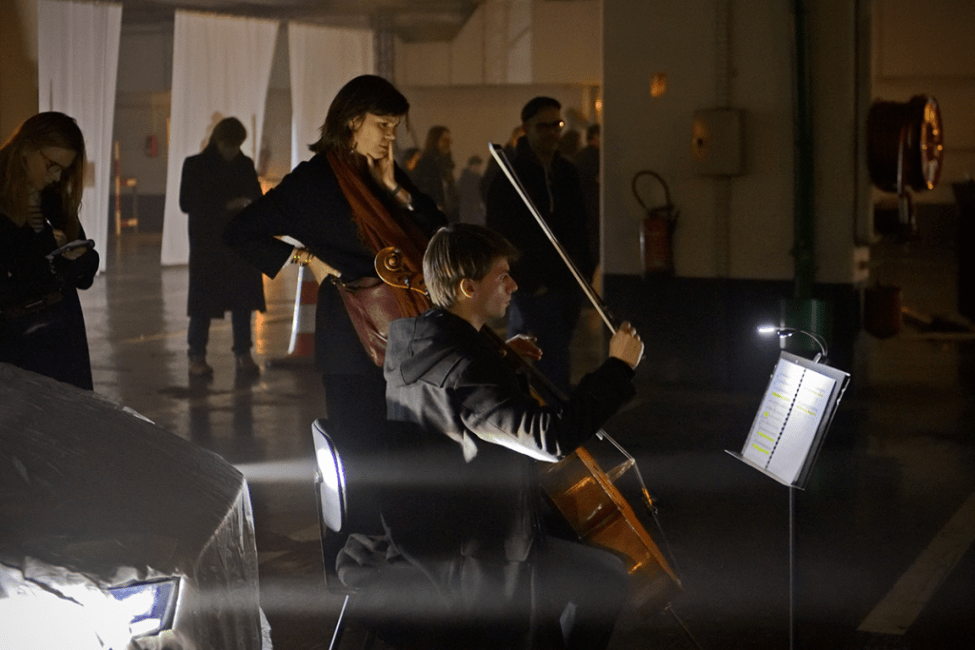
(793, 418)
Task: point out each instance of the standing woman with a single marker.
(42, 326)
(344, 205)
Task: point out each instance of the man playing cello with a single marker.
(466, 435)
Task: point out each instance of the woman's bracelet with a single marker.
(397, 189)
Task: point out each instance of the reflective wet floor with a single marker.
(874, 553)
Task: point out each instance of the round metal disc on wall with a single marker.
(905, 137)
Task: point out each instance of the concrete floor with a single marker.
(882, 534)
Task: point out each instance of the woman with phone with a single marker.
(45, 256)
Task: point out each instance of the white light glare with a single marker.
(766, 329)
(144, 607)
(136, 610)
(67, 610)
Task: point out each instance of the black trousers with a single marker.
(355, 407)
(580, 591)
(567, 598)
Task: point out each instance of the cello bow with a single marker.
(502, 159)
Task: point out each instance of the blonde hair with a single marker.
(461, 251)
(50, 129)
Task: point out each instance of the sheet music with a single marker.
(790, 416)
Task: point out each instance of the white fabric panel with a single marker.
(221, 68)
(77, 63)
(322, 60)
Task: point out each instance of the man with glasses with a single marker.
(549, 302)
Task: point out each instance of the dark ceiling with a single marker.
(414, 21)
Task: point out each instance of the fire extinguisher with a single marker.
(657, 231)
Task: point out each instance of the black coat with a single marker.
(561, 203)
(587, 162)
(220, 280)
(465, 435)
(434, 176)
(309, 206)
(51, 341)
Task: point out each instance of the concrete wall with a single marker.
(145, 71)
(18, 63)
(508, 52)
(717, 53)
(512, 42)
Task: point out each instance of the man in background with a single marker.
(550, 300)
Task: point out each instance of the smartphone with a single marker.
(71, 245)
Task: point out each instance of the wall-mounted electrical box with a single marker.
(717, 142)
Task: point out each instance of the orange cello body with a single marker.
(585, 495)
(601, 516)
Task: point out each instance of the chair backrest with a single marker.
(331, 478)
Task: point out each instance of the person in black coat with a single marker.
(434, 172)
(344, 205)
(217, 184)
(42, 326)
(587, 162)
(468, 188)
(466, 437)
(550, 301)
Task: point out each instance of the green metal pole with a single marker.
(803, 251)
(802, 310)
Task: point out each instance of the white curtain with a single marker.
(221, 68)
(322, 60)
(77, 64)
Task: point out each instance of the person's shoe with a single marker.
(246, 365)
(199, 367)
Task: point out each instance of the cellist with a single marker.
(463, 502)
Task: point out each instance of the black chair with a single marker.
(330, 488)
(389, 598)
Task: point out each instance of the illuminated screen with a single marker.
(793, 417)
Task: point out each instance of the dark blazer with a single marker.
(220, 280)
(309, 206)
(434, 175)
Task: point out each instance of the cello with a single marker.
(585, 494)
(568, 482)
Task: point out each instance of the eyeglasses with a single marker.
(550, 126)
(52, 165)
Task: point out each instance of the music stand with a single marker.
(788, 433)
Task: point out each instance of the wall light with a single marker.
(658, 84)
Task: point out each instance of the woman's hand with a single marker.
(59, 237)
(524, 346)
(382, 169)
